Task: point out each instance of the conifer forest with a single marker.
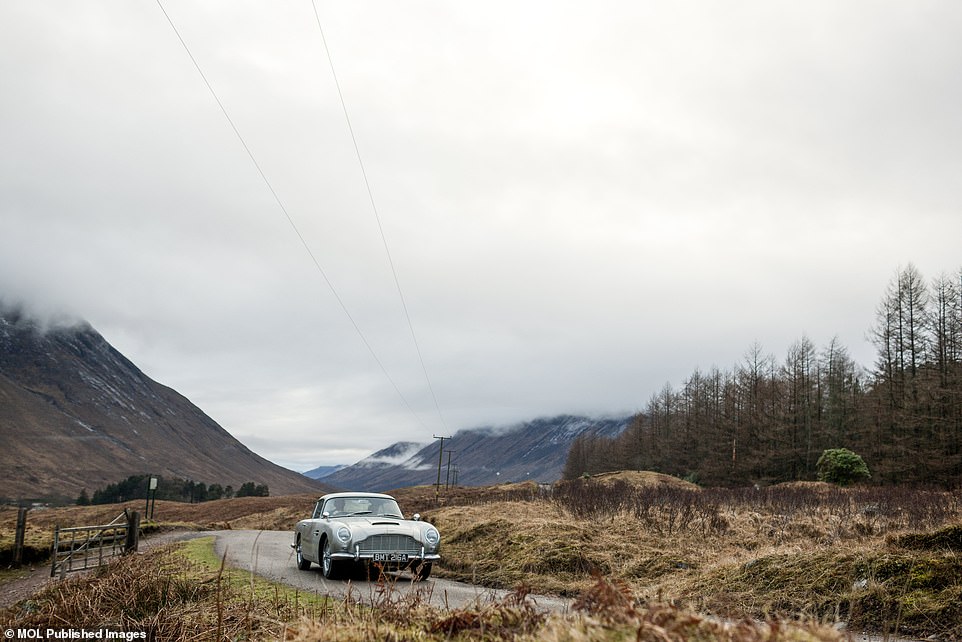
(768, 420)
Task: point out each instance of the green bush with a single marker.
(841, 466)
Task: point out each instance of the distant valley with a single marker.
(533, 450)
(76, 414)
(322, 471)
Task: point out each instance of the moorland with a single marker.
(642, 555)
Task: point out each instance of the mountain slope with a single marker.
(534, 450)
(75, 414)
(321, 471)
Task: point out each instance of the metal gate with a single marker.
(83, 547)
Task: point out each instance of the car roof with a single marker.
(368, 495)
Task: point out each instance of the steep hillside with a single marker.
(75, 414)
(532, 450)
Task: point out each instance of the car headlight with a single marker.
(432, 537)
(344, 534)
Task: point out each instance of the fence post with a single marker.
(56, 550)
(18, 538)
(133, 532)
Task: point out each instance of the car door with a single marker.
(310, 536)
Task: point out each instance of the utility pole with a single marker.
(447, 476)
(437, 486)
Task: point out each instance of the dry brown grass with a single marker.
(170, 594)
(422, 498)
(185, 594)
(267, 513)
(261, 513)
(277, 512)
(875, 558)
(643, 478)
(502, 544)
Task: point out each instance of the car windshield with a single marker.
(351, 506)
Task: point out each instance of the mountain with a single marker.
(75, 414)
(534, 450)
(321, 471)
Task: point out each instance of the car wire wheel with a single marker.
(329, 566)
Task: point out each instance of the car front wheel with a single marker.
(329, 566)
(423, 571)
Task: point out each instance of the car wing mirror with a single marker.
(416, 517)
(326, 515)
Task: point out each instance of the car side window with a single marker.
(317, 510)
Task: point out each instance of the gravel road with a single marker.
(269, 554)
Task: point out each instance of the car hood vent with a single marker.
(385, 523)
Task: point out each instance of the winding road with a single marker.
(269, 554)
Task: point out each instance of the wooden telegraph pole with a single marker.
(437, 486)
(447, 475)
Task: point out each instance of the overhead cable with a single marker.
(288, 216)
(377, 217)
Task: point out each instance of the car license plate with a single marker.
(390, 557)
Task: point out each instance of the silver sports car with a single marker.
(349, 531)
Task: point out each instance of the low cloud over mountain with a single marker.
(75, 414)
(532, 450)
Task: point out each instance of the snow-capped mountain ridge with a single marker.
(531, 450)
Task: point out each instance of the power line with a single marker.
(288, 216)
(377, 216)
(437, 487)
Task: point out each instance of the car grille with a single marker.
(390, 544)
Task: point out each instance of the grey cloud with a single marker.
(582, 202)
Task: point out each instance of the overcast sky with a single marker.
(583, 201)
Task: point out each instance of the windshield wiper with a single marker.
(360, 512)
(390, 515)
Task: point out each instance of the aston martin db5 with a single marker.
(352, 532)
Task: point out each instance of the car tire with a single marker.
(423, 571)
(303, 564)
(330, 567)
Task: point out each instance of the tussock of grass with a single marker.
(643, 478)
(613, 605)
(942, 539)
(505, 544)
(915, 593)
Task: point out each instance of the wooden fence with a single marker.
(83, 547)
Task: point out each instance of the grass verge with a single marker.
(171, 594)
